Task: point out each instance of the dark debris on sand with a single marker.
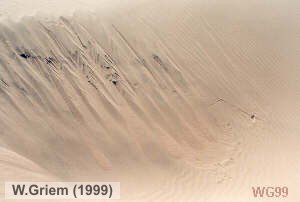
(25, 55)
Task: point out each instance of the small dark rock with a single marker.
(25, 55)
(49, 60)
(106, 66)
(114, 82)
(157, 59)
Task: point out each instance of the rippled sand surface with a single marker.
(178, 100)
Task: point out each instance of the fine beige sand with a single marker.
(180, 100)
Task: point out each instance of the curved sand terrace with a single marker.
(179, 101)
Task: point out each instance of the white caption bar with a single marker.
(62, 190)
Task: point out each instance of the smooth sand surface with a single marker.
(178, 100)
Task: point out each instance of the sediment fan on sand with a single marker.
(194, 97)
(69, 90)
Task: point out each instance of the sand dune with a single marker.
(179, 101)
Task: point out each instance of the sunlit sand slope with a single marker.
(184, 102)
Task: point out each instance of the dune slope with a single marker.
(197, 104)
